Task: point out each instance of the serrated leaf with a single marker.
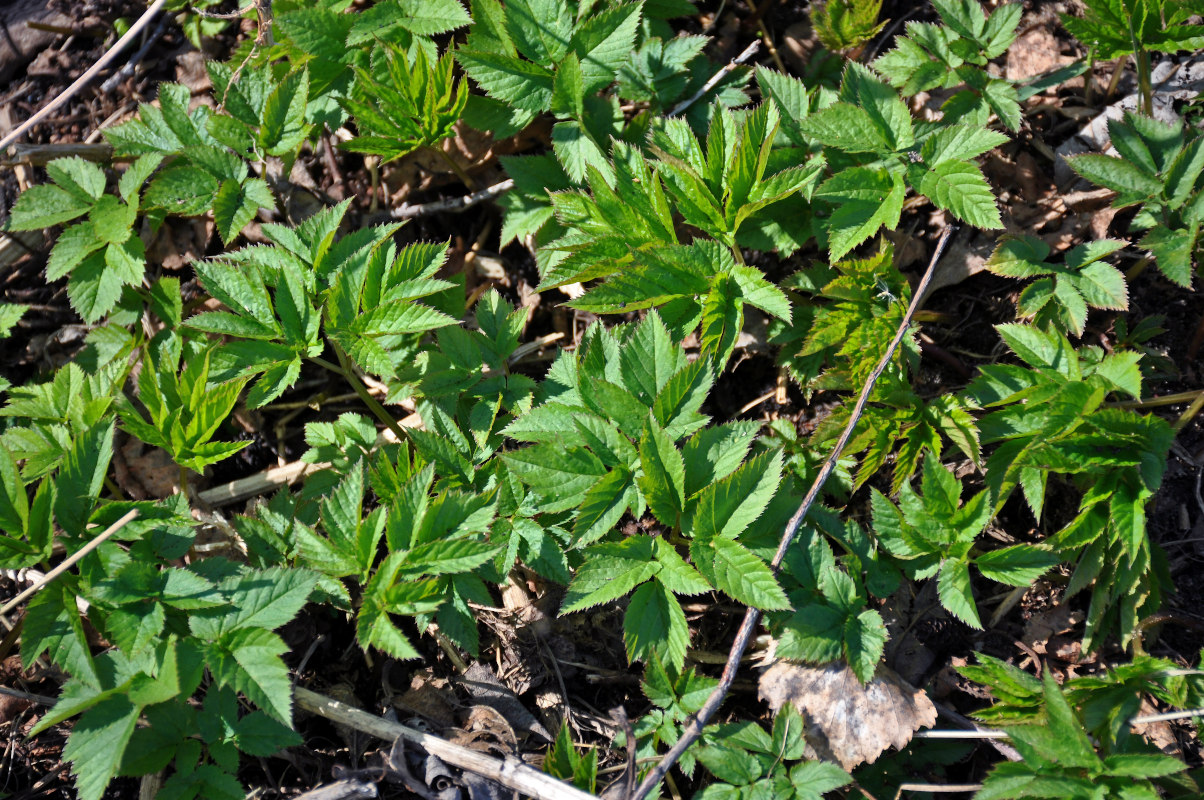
(97, 743)
(960, 187)
(865, 200)
(655, 626)
(955, 593)
(1116, 174)
(864, 640)
(524, 85)
(663, 481)
(603, 506)
(729, 506)
(610, 571)
(1018, 565)
(248, 660)
(739, 574)
(43, 206)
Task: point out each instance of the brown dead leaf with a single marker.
(191, 72)
(1049, 623)
(965, 258)
(179, 242)
(144, 472)
(429, 697)
(1034, 52)
(487, 690)
(1162, 734)
(846, 721)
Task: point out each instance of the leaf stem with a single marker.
(456, 168)
(346, 369)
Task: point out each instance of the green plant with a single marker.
(611, 473)
(1118, 28)
(1059, 758)
(931, 57)
(1062, 293)
(1160, 167)
(936, 535)
(843, 25)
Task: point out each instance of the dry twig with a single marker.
(86, 78)
(693, 728)
(510, 772)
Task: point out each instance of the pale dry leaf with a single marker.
(847, 722)
(964, 259)
(1034, 52)
(1049, 623)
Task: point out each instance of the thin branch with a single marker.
(86, 78)
(693, 728)
(748, 53)
(126, 71)
(69, 562)
(1168, 716)
(453, 205)
(510, 772)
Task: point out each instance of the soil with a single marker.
(579, 661)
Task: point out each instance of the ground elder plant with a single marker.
(686, 224)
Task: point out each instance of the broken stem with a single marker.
(694, 726)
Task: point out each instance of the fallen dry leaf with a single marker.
(1049, 624)
(846, 721)
(1034, 52)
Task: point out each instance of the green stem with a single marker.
(1165, 400)
(456, 168)
(1145, 83)
(348, 372)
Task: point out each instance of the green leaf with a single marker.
(524, 85)
(112, 219)
(1173, 249)
(813, 780)
(577, 151)
(604, 40)
(663, 481)
(960, 187)
(283, 127)
(248, 660)
(1018, 565)
(956, 595)
(864, 640)
(655, 626)
(43, 206)
(568, 90)
(889, 114)
(739, 574)
(269, 598)
(81, 477)
(959, 143)
(603, 506)
(722, 319)
(726, 508)
(81, 178)
(97, 743)
(1117, 174)
(865, 200)
(236, 204)
(845, 127)
(610, 571)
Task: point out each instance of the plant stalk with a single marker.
(346, 369)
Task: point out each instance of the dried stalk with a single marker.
(510, 772)
(694, 726)
(86, 78)
(69, 562)
(748, 53)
